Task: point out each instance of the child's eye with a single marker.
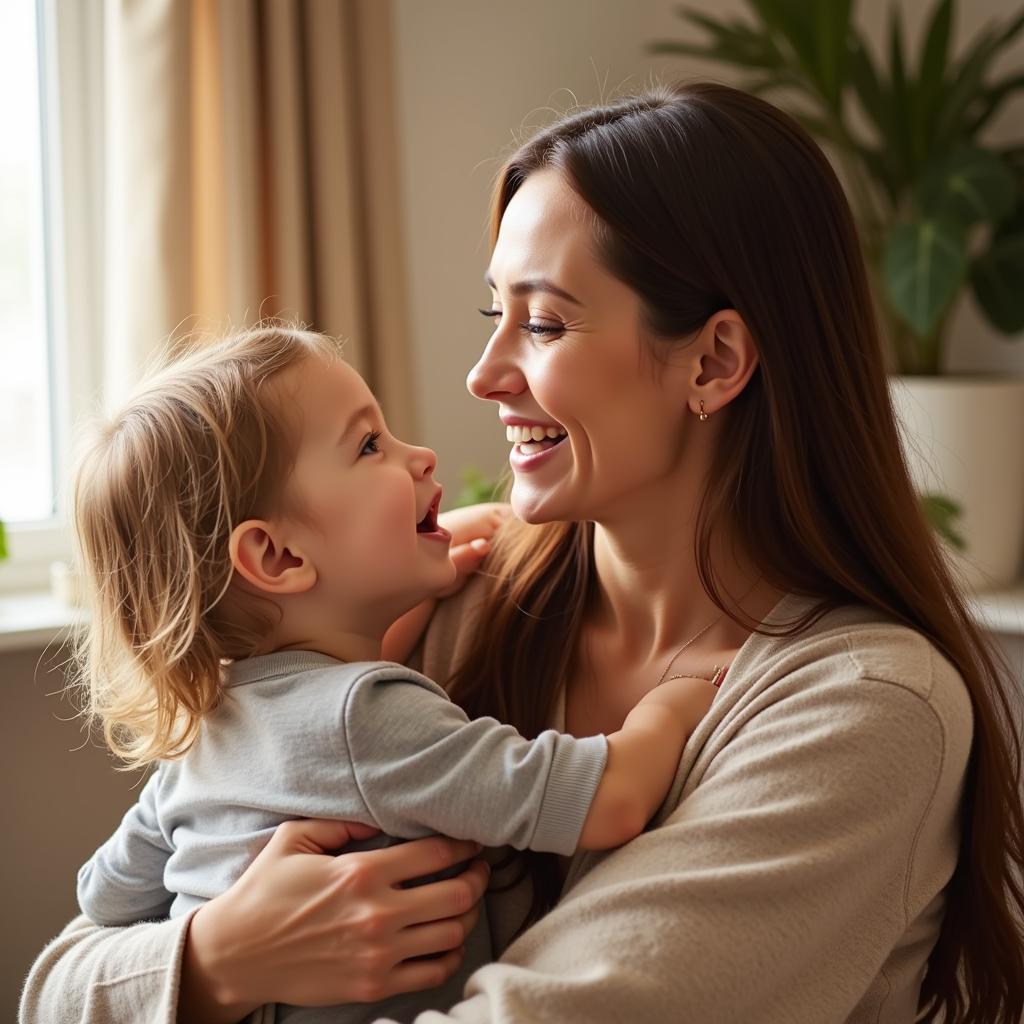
(370, 446)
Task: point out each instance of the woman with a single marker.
(680, 307)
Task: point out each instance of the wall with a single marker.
(62, 798)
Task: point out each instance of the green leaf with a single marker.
(942, 513)
(968, 186)
(3, 542)
(816, 33)
(967, 86)
(923, 267)
(901, 132)
(476, 488)
(873, 96)
(932, 73)
(998, 279)
(867, 85)
(993, 99)
(832, 26)
(747, 47)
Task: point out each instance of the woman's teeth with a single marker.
(532, 440)
(521, 435)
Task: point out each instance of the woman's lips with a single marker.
(523, 462)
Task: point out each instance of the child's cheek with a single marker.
(397, 520)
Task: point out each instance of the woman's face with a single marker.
(567, 358)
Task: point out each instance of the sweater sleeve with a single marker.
(93, 975)
(773, 892)
(123, 881)
(422, 766)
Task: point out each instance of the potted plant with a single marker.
(940, 211)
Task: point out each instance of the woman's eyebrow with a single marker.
(536, 284)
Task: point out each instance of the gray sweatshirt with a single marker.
(302, 735)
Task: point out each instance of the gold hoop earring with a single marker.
(703, 415)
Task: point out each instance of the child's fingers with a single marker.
(474, 520)
(467, 557)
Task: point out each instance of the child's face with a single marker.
(362, 504)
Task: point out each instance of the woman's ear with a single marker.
(727, 358)
(261, 558)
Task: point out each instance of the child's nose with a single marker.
(423, 461)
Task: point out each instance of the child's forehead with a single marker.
(326, 392)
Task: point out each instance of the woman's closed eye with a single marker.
(529, 327)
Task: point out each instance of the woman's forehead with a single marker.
(546, 232)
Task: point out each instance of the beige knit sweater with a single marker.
(794, 873)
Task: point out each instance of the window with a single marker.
(27, 463)
(49, 251)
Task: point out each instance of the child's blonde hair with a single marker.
(200, 447)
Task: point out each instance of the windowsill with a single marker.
(35, 619)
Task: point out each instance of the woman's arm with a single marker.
(296, 927)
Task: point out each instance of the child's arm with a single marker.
(421, 766)
(642, 760)
(123, 881)
(471, 528)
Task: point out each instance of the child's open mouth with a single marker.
(428, 526)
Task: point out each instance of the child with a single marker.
(249, 530)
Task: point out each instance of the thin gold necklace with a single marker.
(716, 672)
(693, 639)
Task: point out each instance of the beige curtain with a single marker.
(251, 170)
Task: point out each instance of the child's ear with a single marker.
(263, 560)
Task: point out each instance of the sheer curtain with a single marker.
(248, 168)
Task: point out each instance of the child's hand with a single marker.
(471, 528)
(474, 521)
(687, 697)
(643, 757)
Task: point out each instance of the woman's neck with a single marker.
(649, 593)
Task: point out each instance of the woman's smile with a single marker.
(530, 455)
(532, 442)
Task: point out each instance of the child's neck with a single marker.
(341, 645)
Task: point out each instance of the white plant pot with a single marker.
(964, 438)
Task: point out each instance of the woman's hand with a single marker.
(303, 926)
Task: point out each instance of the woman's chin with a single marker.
(535, 506)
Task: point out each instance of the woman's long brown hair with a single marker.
(708, 198)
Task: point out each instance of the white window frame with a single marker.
(71, 51)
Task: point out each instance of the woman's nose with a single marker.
(495, 375)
